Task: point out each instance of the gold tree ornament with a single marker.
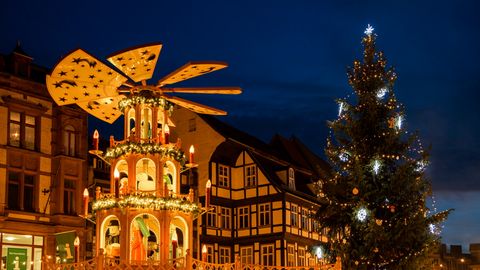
(355, 191)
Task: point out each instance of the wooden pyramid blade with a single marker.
(193, 106)
(137, 63)
(204, 90)
(80, 77)
(190, 70)
(105, 109)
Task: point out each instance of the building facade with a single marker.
(262, 202)
(453, 258)
(43, 155)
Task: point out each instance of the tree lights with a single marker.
(375, 211)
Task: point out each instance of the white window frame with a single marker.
(224, 255)
(301, 256)
(264, 215)
(268, 254)
(223, 176)
(224, 218)
(291, 178)
(290, 255)
(244, 217)
(251, 176)
(294, 215)
(246, 255)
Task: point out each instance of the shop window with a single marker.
(18, 250)
(290, 255)
(224, 218)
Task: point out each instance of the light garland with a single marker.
(153, 101)
(146, 201)
(168, 150)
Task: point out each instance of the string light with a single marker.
(169, 150)
(146, 201)
(340, 108)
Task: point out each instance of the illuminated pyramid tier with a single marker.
(144, 217)
(145, 210)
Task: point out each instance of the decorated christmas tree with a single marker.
(375, 213)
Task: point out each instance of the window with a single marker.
(304, 219)
(243, 217)
(293, 215)
(69, 190)
(246, 255)
(264, 214)
(291, 178)
(223, 176)
(21, 191)
(290, 255)
(210, 254)
(192, 125)
(251, 176)
(69, 141)
(22, 130)
(224, 255)
(224, 218)
(267, 255)
(212, 217)
(301, 256)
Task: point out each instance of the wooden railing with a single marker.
(184, 263)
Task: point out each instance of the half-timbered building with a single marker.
(262, 195)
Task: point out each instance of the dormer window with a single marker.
(291, 178)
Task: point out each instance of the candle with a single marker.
(85, 202)
(116, 176)
(192, 151)
(167, 134)
(207, 194)
(95, 139)
(76, 244)
(204, 253)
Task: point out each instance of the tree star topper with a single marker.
(369, 30)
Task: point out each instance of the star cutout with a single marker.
(144, 52)
(98, 95)
(84, 87)
(91, 76)
(95, 86)
(101, 81)
(62, 99)
(99, 70)
(120, 58)
(76, 76)
(75, 98)
(109, 73)
(62, 73)
(90, 107)
(86, 94)
(76, 60)
(58, 85)
(106, 117)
